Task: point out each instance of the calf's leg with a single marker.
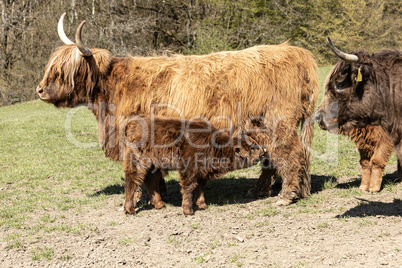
(188, 185)
(154, 183)
(199, 194)
(133, 178)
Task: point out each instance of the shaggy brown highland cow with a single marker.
(195, 148)
(266, 91)
(375, 148)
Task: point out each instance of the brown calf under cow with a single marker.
(267, 91)
(195, 148)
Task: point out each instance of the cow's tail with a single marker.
(306, 137)
(310, 94)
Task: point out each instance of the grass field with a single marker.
(43, 174)
(40, 167)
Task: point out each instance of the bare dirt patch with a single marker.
(336, 227)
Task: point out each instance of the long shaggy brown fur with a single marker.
(195, 148)
(266, 90)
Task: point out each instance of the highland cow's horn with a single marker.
(61, 33)
(342, 55)
(83, 49)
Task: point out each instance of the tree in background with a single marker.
(28, 32)
(352, 24)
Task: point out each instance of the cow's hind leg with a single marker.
(290, 159)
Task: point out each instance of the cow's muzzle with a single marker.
(41, 93)
(39, 90)
(319, 118)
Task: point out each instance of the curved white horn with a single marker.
(342, 55)
(83, 49)
(61, 33)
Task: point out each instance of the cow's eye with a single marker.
(343, 84)
(339, 86)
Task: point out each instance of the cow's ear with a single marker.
(359, 77)
(363, 73)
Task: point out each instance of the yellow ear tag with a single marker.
(359, 76)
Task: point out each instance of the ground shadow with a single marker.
(117, 188)
(228, 190)
(217, 192)
(374, 208)
(318, 182)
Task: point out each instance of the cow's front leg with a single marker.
(375, 150)
(366, 174)
(379, 160)
(263, 186)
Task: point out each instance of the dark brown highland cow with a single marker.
(375, 148)
(267, 91)
(195, 148)
(365, 90)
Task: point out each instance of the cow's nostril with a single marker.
(318, 117)
(39, 90)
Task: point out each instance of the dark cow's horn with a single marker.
(83, 49)
(342, 55)
(60, 31)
